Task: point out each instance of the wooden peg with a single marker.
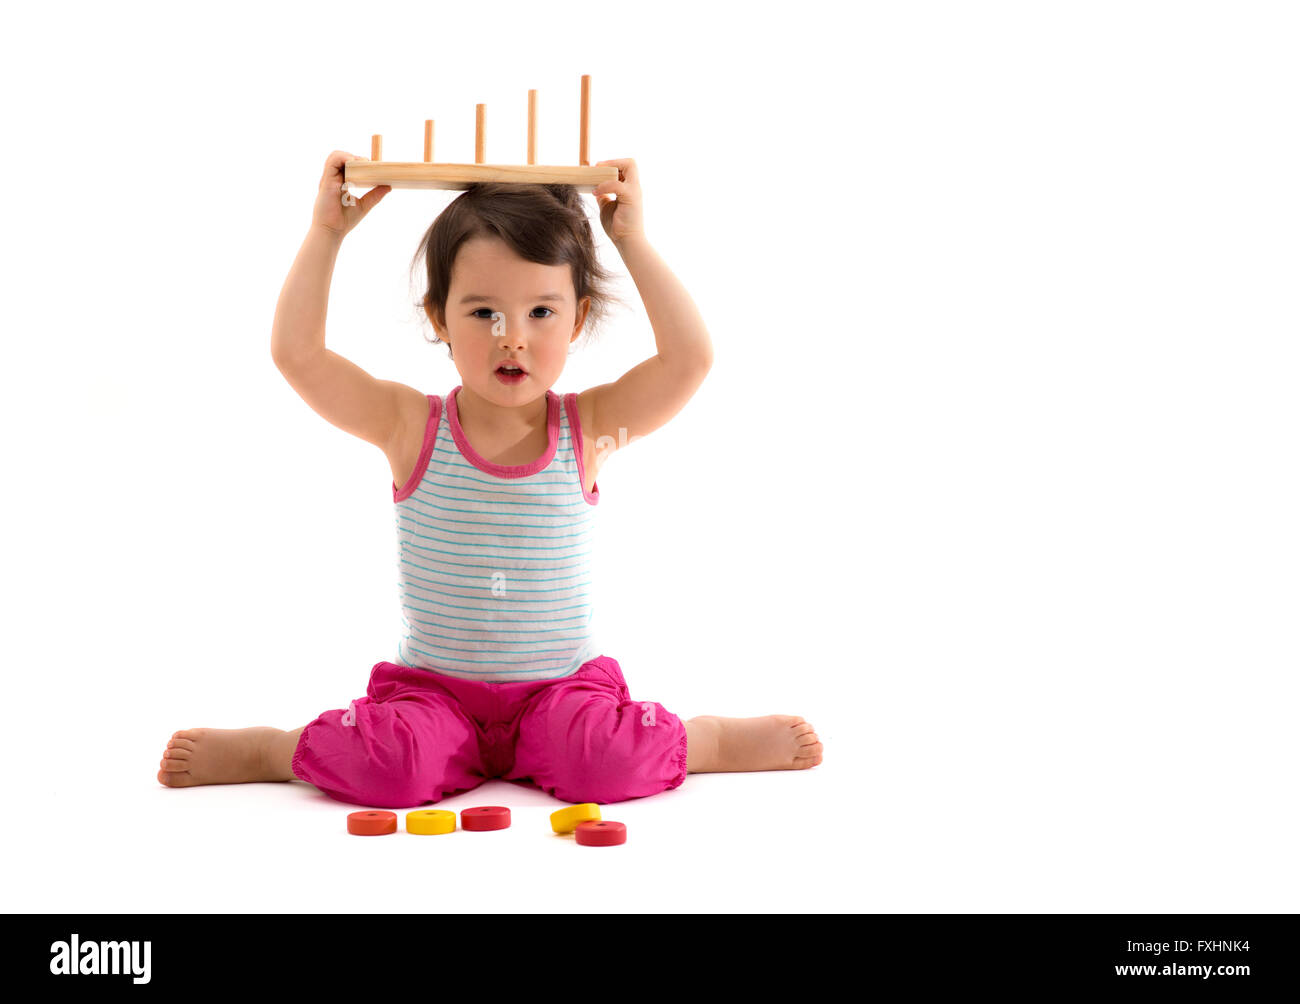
(376, 147)
(480, 140)
(532, 127)
(428, 141)
(584, 116)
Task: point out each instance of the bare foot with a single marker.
(226, 756)
(770, 742)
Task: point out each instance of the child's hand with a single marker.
(621, 218)
(330, 212)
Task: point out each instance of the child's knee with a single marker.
(372, 755)
(634, 751)
(615, 779)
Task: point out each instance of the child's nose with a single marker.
(509, 330)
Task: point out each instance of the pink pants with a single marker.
(418, 736)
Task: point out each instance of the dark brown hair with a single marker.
(546, 224)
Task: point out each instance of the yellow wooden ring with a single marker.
(567, 820)
(430, 821)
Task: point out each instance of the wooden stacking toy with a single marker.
(376, 171)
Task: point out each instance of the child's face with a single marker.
(537, 319)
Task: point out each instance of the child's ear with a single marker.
(583, 307)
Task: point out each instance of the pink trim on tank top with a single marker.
(505, 470)
(426, 451)
(575, 433)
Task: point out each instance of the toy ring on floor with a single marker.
(601, 833)
(425, 821)
(372, 823)
(485, 817)
(566, 820)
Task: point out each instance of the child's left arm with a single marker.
(652, 392)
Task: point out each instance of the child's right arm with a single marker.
(338, 390)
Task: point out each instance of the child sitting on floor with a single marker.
(499, 672)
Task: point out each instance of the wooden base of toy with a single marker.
(364, 173)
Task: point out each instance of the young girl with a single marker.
(499, 673)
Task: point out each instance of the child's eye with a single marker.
(485, 310)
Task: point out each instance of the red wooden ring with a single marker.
(601, 833)
(485, 817)
(372, 823)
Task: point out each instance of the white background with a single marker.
(994, 479)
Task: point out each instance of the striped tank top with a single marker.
(494, 562)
